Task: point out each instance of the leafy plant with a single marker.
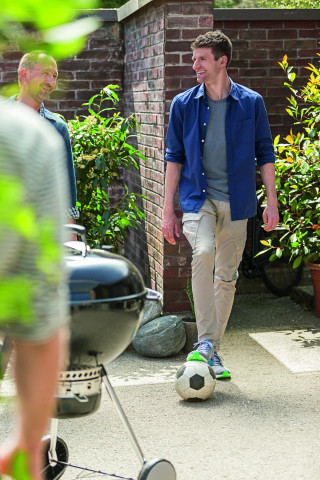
(298, 174)
(266, 4)
(101, 152)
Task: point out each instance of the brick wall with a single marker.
(144, 96)
(156, 39)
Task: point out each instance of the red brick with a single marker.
(176, 307)
(177, 70)
(298, 25)
(282, 34)
(173, 9)
(182, 22)
(206, 22)
(197, 9)
(191, 34)
(308, 34)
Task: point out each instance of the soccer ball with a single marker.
(195, 380)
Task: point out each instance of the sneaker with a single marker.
(219, 369)
(203, 351)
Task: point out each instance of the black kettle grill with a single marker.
(107, 296)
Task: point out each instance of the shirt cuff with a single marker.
(73, 212)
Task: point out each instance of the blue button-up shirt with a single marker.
(248, 141)
(61, 127)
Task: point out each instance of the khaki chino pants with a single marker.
(217, 247)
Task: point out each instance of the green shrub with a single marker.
(101, 153)
(298, 174)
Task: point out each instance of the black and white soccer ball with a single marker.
(195, 380)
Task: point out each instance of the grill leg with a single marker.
(6, 350)
(122, 415)
(53, 442)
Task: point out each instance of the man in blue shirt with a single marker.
(37, 76)
(218, 131)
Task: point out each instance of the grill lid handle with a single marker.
(75, 245)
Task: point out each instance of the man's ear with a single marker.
(223, 61)
(24, 73)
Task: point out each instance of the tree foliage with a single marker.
(292, 4)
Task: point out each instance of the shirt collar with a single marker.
(233, 90)
(47, 114)
(42, 111)
(201, 92)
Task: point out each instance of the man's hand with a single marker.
(270, 217)
(170, 227)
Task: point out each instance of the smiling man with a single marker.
(37, 77)
(218, 131)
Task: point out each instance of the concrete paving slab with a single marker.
(298, 350)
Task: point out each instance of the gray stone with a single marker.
(161, 337)
(152, 309)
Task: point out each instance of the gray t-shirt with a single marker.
(215, 152)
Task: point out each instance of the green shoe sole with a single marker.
(224, 375)
(196, 357)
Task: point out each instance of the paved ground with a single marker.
(261, 425)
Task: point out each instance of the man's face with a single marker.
(205, 66)
(42, 79)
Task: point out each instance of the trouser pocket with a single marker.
(191, 222)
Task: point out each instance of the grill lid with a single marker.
(101, 276)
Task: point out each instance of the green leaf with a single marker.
(265, 242)
(276, 140)
(292, 77)
(297, 262)
(304, 168)
(124, 126)
(70, 32)
(273, 257)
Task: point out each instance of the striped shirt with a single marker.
(33, 152)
